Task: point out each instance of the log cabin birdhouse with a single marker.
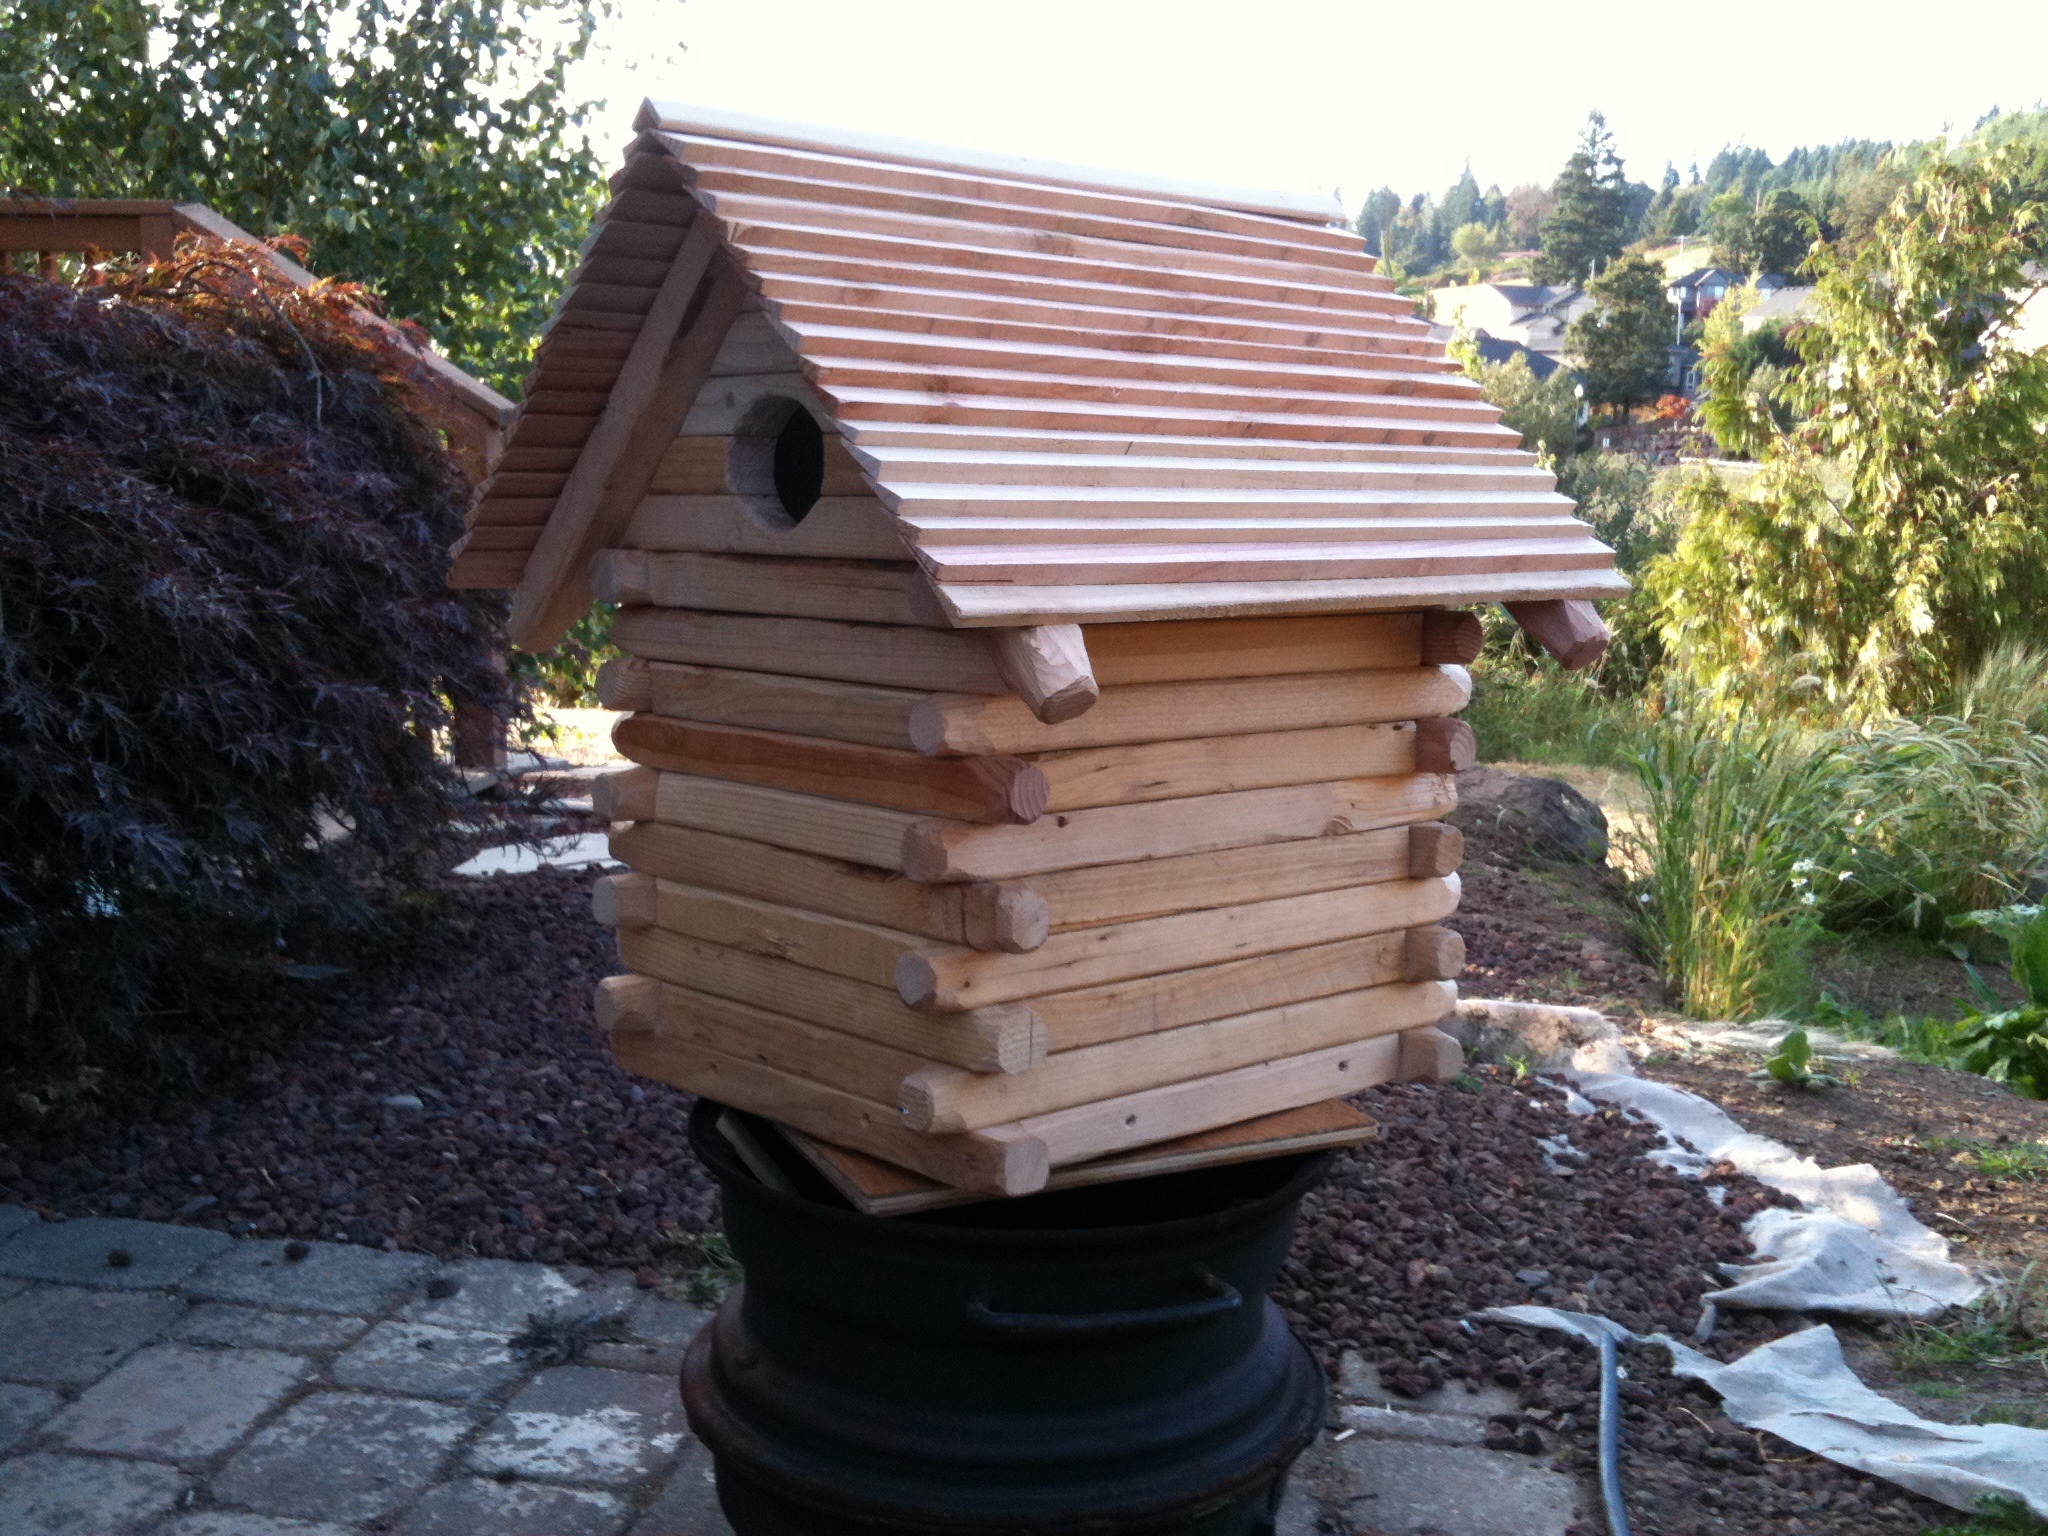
(1046, 597)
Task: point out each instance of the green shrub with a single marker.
(2010, 1045)
(225, 638)
(1938, 816)
(1530, 710)
(1732, 817)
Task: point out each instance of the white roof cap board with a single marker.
(1084, 396)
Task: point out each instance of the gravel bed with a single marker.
(1458, 1208)
(460, 1104)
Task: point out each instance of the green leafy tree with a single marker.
(1772, 236)
(1623, 344)
(1476, 244)
(1588, 222)
(1545, 411)
(429, 148)
(1900, 531)
(1745, 374)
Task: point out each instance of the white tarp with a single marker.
(1856, 1248)
(1800, 1389)
(525, 858)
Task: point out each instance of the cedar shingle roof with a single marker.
(1080, 396)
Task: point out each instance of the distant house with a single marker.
(1695, 294)
(1778, 305)
(1494, 349)
(1534, 315)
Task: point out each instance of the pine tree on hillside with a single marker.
(1589, 223)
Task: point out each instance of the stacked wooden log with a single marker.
(986, 902)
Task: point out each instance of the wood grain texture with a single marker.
(1181, 1109)
(809, 706)
(1047, 668)
(1122, 893)
(1569, 629)
(1186, 650)
(837, 528)
(858, 951)
(1175, 770)
(1434, 848)
(835, 829)
(1428, 1055)
(944, 1099)
(964, 724)
(889, 655)
(1005, 1039)
(1451, 638)
(1001, 917)
(944, 851)
(856, 591)
(987, 789)
(952, 978)
(1003, 1162)
(1091, 1015)
(1444, 746)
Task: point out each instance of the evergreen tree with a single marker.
(1623, 346)
(1375, 218)
(1588, 225)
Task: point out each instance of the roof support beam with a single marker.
(671, 358)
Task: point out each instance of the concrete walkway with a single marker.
(159, 1380)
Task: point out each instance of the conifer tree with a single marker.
(1588, 225)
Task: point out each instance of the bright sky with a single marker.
(1320, 95)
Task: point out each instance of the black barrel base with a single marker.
(1100, 1362)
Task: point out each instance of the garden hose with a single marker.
(1610, 1438)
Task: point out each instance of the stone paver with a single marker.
(332, 1277)
(688, 1506)
(306, 1333)
(62, 1336)
(499, 1295)
(424, 1361)
(342, 1456)
(77, 1252)
(414, 1417)
(172, 1402)
(44, 1495)
(21, 1410)
(582, 1425)
(1406, 1489)
(221, 1522)
(480, 1507)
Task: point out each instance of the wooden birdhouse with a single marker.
(1045, 600)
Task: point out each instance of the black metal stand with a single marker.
(1098, 1360)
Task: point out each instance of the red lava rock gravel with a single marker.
(508, 1132)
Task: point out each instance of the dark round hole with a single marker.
(799, 465)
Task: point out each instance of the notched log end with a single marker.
(1435, 848)
(1451, 637)
(1444, 745)
(627, 1003)
(626, 683)
(627, 795)
(1568, 628)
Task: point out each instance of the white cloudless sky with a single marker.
(1323, 95)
